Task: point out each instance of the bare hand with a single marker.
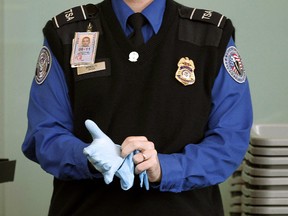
(146, 159)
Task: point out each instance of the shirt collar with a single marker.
(153, 12)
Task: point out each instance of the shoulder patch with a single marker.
(234, 65)
(43, 65)
(202, 15)
(75, 14)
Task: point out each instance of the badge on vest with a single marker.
(234, 65)
(185, 73)
(43, 65)
(84, 48)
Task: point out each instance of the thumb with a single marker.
(94, 130)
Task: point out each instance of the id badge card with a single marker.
(84, 46)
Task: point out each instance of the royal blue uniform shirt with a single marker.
(51, 143)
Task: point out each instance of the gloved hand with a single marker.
(103, 154)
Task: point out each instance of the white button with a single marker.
(133, 56)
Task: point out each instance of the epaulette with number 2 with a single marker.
(75, 14)
(202, 15)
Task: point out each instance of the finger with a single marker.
(132, 139)
(139, 158)
(141, 167)
(146, 160)
(135, 143)
(94, 130)
(145, 157)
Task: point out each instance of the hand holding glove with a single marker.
(124, 173)
(104, 155)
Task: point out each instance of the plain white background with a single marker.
(261, 37)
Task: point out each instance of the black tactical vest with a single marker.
(141, 98)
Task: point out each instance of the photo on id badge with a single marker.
(84, 48)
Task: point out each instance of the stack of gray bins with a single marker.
(236, 183)
(264, 189)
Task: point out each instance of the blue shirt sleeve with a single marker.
(49, 139)
(225, 143)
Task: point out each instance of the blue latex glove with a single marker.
(103, 154)
(124, 173)
(144, 179)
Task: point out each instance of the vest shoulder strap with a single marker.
(75, 14)
(202, 15)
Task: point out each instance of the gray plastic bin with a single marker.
(264, 173)
(269, 135)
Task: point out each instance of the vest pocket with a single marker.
(199, 34)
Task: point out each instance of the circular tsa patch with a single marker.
(234, 65)
(43, 65)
